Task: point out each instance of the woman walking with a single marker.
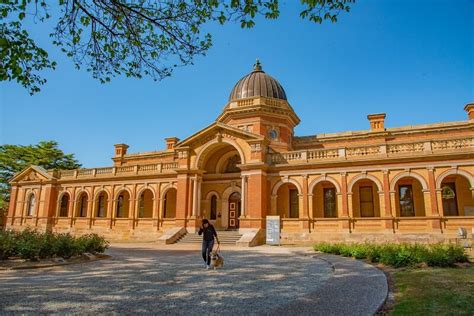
(209, 233)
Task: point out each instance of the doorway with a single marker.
(234, 210)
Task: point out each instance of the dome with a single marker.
(257, 84)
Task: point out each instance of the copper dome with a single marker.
(257, 84)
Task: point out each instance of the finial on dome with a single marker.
(257, 66)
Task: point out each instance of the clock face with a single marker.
(272, 134)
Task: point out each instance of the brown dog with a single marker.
(217, 261)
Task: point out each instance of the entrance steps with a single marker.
(226, 237)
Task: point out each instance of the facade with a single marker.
(414, 182)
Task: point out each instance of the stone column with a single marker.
(195, 196)
(243, 195)
(305, 209)
(37, 206)
(182, 199)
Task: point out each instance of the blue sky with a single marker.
(412, 59)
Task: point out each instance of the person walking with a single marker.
(208, 233)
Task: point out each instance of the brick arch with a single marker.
(354, 180)
(408, 174)
(204, 152)
(320, 179)
(282, 182)
(454, 171)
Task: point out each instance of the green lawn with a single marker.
(434, 291)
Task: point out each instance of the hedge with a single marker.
(33, 245)
(399, 255)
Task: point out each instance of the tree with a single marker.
(15, 158)
(132, 37)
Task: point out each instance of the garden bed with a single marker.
(30, 248)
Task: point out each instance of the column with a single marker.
(243, 192)
(305, 210)
(12, 206)
(346, 197)
(195, 196)
(183, 193)
(255, 205)
(436, 200)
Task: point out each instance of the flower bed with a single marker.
(32, 245)
(399, 255)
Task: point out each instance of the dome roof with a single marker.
(257, 84)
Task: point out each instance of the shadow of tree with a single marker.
(165, 281)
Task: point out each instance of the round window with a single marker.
(272, 133)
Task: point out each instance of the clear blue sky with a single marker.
(412, 59)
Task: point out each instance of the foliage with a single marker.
(399, 255)
(136, 38)
(32, 245)
(15, 158)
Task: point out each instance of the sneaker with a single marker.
(208, 267)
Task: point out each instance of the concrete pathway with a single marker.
(147, 278)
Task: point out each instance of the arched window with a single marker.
(64, 206)
(31, 205)
(83, 206)
(145, 204)
(101, 205)
(214, 207)
(120, 206)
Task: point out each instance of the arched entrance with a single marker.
(235, 209)
(222, 176)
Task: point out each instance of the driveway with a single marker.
(147, 278)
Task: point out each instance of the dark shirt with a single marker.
(209, 232)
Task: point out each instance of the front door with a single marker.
(234, 210)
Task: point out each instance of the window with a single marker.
(141, 206)
(214, 207)
(294, 205)
(405, 194)
(330, 202)
(449, 197)
(63, 208)
(366, 202)
(31, 205)
(120, 206)
(101, 206)
(83, 206)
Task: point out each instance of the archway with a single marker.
(145, 204)
(365, 198)
(409, 197)
(122, 208)
(288, 200)
(457, 196)
(81, 204)
(325, 200)
(102, 201)
(169, 203)
(221, 162)
(64, 205)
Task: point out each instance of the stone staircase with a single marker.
(226, 237)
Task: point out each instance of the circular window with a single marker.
(272, 134)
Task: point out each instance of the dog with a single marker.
(217, 261)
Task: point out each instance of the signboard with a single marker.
(273, 230)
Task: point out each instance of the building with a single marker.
(406, 183)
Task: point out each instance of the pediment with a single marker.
(32, 174)
(216, 130)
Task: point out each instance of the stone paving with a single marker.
(147, 278)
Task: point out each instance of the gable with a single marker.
(216, 130)
(32, 174)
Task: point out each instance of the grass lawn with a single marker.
(434, 291)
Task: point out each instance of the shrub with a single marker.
(8, 244)
(399, 255)
(32, 245)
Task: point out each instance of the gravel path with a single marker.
(172, 280)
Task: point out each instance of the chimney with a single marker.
(171, 142)
(469, 108)
(120, 150)
(377, 122)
